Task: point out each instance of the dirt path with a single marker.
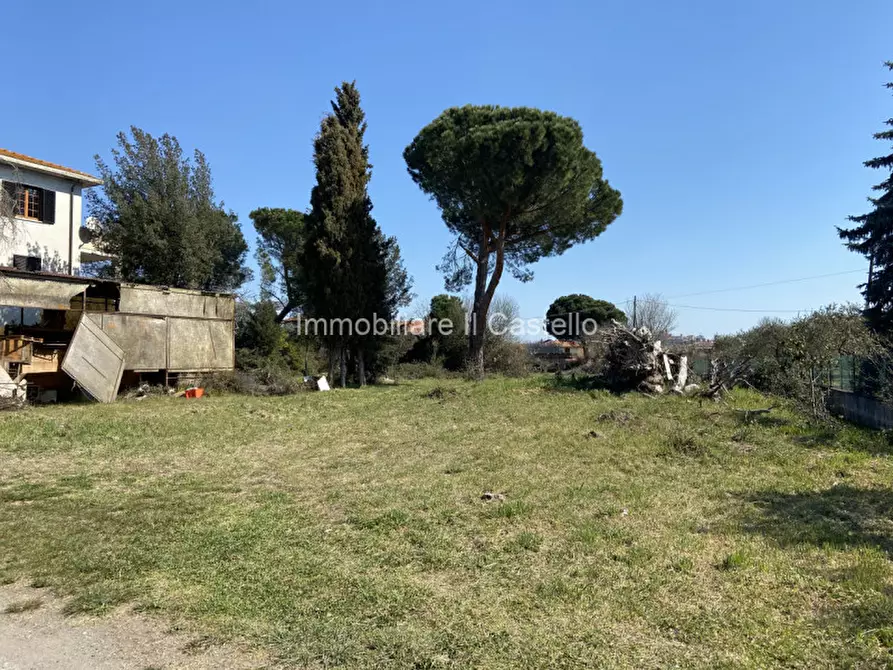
(41, 636)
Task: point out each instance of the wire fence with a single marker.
(846, 374)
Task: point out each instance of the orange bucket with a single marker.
(194, 392)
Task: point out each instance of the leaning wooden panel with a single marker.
(94, 361)
(142, 338)
(200, 344)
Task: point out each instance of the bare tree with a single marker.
(9, 228)
(652, 312)
(419, 309)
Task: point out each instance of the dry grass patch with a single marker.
(19, 606)
(347, 529)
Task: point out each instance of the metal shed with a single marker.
(98, 331)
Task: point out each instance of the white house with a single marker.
(41, 215)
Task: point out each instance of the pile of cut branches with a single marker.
(634, 360)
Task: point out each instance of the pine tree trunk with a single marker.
(483, 296)
(333, 355)
(361, 367)
(343, 365)
(478, 322)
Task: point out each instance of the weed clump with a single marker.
(440, 393)
(685, 443)
(20, 606)
(735, 561)
(621, 417)
(267, 381)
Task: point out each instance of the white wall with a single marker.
(52, 239)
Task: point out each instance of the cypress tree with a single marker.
(345, 254)
(872, 236)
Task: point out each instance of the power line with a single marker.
(736, 309)
(744, 288)
(705, 308)
(771, 283)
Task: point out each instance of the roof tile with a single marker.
(37, 161)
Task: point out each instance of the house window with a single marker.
(31, 202)
(26, 263)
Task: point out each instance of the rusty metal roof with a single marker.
(59, 276)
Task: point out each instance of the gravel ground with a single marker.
(41, 636)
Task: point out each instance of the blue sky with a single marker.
(734, 130)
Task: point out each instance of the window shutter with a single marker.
(26, 263)
(10, 196)
(48, 206)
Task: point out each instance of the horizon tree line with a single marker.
(513, 185)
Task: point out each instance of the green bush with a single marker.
(263, 343)
(789, 359)
(507, 357)
(265, 381)
(258, 330)
(421, 370)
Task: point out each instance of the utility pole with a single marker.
(634, 313)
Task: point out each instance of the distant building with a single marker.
(559, 351)
(417, 327)
(687, 342)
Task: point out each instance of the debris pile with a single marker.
(724, 376)
(489, 496)
(13, 392)
(634, 360)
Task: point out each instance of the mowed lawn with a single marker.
(347, 530)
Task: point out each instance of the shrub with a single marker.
(421, 370)
(507, 357)
(259, 331)
(265, 381)
(790, 359)
(262, 342)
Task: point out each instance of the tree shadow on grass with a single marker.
(818, 437)
(839, 435)
(841, 516)
(869, 619)
(584, 381)
(575, 381)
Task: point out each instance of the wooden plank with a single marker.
(94, 361)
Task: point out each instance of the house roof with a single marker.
(21, 160)
(412, 326)
(568, 344)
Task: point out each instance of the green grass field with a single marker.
(347, 530)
